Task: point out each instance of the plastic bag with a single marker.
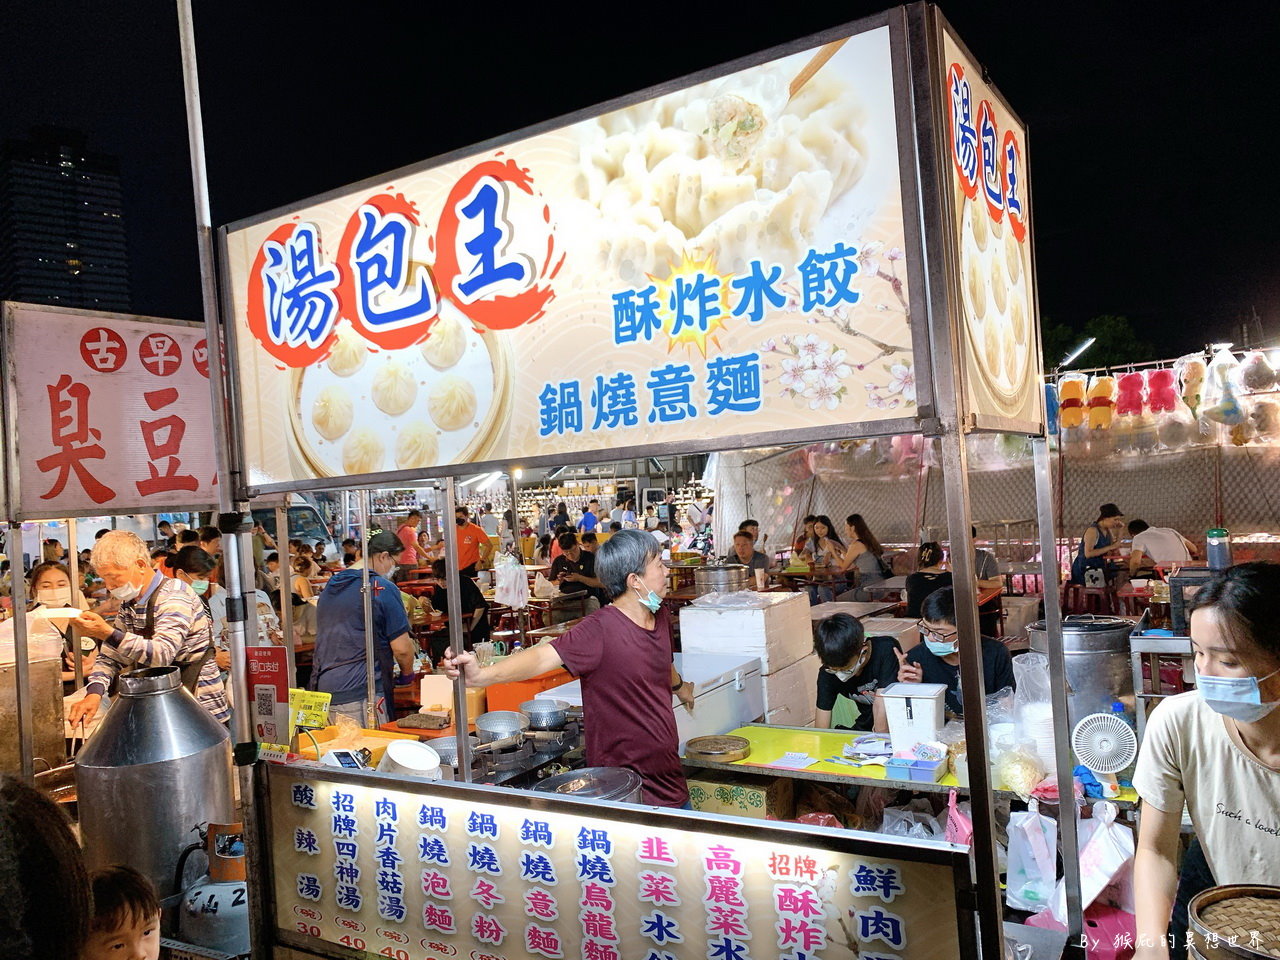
(959, 821)
(1031, 671)
(734, 600)
(1106, 860)
(544, 589)
(512, 584)
(915, 820)
(1018, 770)
(1032, 873)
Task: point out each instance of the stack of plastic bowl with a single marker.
(1037, 726)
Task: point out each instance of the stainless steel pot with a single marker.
(611, 784)
(158, 766)
(1096, 651)
(721, 578)
(500, 724)
(447, 748)
(545, 714)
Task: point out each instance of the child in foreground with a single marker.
(126, 917)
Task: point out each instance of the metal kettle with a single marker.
(214, 911)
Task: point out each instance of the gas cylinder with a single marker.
(214, 911)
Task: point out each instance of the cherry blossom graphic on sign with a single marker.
(103, 350)
(487, 263)
(160, 354)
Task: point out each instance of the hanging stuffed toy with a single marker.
(1227, 410)
(1130, 389)
(1051, 410)
(1162, 397)
(1266, 419)
(1191, 381)
(1071, 390)
(1129, 394)
(1255, 374)
(1100, 402)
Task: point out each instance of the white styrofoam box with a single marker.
(906, 632)
(1018, 613)
(859, 609)
(778, 633)
(916, 712)
(728, 693)
(790, 694)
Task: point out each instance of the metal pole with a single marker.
(516, 547)
(73, 565)
(366, 596)
(21, 665)
(231, 526)
(284, 578)
(457, 636)
(1058, 686)
(204, 245)
(955, 468)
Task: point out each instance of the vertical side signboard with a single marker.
(988, 207)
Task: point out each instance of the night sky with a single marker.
(1153, 141)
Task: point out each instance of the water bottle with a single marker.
(1218, 548)
(516, 646)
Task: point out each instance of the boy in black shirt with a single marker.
(937, 660)
(855, 666)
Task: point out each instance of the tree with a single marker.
(1117, 343)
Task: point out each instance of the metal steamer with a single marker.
(158, 768)
(1099, 670)
(721, 578)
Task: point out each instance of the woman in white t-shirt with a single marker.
(1216, 749)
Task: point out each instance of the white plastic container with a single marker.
(916, 712)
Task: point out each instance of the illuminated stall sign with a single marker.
(112, 413)
(724, 260)
(363, 865)
(988, 193)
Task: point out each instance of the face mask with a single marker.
(55, 597)
(461, 521)
(200, 586)
(941, 649)
(652, 601)
(1237, 697)
(843, 675)
(126, 593)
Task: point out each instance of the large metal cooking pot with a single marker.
(500, 724)
(1096, 651)
(721, 578)
(612, 784)
(158, 767)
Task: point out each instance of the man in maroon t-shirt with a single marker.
(622, 652)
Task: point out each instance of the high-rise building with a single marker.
(61, 223)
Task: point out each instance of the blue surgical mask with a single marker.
(941, 649)
(1237, 697)
(652, 601)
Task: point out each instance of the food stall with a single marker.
(106, 414)
(430, 323)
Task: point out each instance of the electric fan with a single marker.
(1106, 744)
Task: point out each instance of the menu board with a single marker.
(438, 873)
(989, 180)
(720, 261)
(111, 413)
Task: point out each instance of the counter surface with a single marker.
(770, 743)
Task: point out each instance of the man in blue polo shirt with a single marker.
(590, 518)
(339, 666)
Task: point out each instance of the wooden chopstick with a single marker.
(825, 53)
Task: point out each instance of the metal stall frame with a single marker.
(915, 36)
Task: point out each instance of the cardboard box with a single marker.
(790, 694)
(742, 795)
(778, 634)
